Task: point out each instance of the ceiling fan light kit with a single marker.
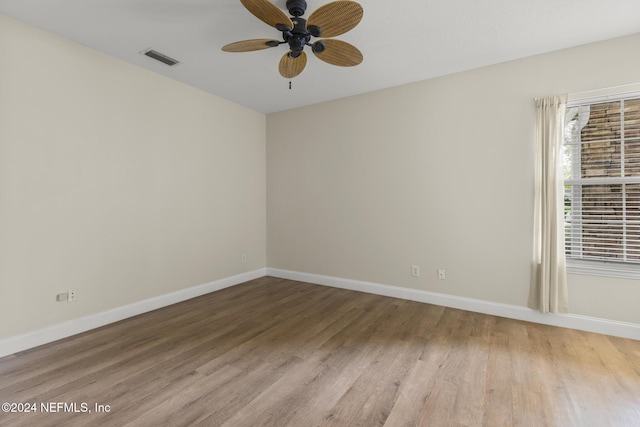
(330, 20)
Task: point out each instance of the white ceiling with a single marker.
(402, 41)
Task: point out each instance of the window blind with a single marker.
(602, 181)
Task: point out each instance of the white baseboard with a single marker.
(573, 321)
(72, 327)
(65, 329)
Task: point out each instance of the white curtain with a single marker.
(549, 279)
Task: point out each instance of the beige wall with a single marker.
(117, 182)
(438, 174)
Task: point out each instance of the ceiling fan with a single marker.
(330, 20)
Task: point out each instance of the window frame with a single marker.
(617, 269)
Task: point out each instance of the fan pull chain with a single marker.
(289, 84)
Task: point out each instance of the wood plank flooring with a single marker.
(274, 352)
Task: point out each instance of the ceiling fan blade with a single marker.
(290, 67)
(336, 18)
(267, 12)
(250, 45)
(337, 52)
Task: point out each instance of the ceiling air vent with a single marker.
(160, 57)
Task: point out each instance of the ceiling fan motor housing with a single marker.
(296, 7)
(298, 37)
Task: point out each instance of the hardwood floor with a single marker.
(274, 352)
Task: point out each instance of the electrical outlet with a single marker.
(72, 295)
(415, 271)
(62, 297)
(441, 275)
(244, 258)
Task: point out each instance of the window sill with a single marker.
(604, 269)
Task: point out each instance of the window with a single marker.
(602, 187)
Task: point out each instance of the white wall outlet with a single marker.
(72, 295)
(441, 275)
(415, 271)
(244, 257)
(62, 297)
